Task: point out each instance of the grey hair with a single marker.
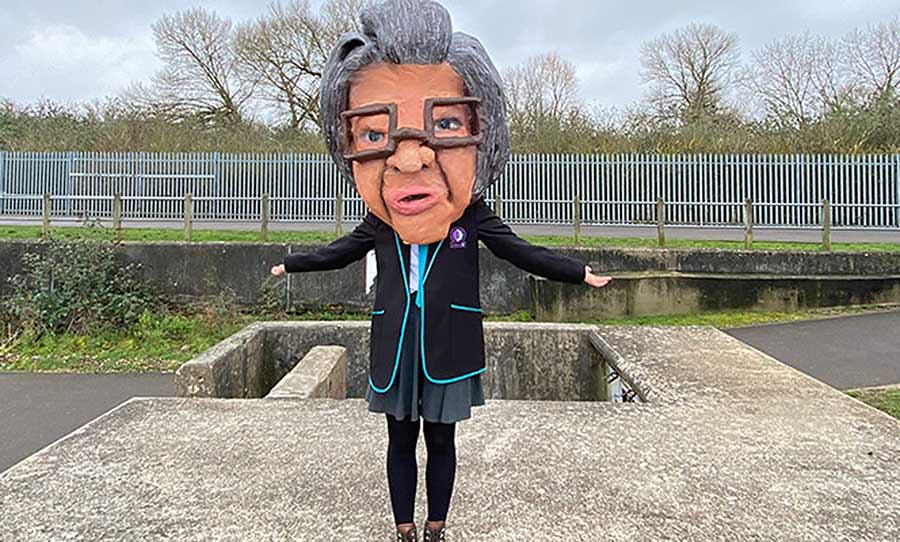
(417, 32)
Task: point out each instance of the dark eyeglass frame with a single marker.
(396, 135)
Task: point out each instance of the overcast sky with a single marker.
(70, 50)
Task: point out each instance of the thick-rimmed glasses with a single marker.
(371, 132)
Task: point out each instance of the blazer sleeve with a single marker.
(501, 240)
(340, 253)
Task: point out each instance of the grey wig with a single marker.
(417, 32)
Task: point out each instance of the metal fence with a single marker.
(620, 189)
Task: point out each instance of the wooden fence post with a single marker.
(748, 222)
(660, 219)
(497, 205)
(45, 227)
(577, 218)
(826, 220)
(264, 219)
(338, 214)
(188, 216)
(117, 215)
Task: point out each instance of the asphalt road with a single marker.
(648, 232)
(846, 352)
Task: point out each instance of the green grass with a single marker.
(887, 400)
(162, 342)
(309, 237)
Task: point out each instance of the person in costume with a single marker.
(414, 115)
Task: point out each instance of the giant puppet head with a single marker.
(414, 115)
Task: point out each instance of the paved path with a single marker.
(648, 232)
(845, 352)
(38, 408)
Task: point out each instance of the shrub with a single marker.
(75, 286)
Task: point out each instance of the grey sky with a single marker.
(69, 50)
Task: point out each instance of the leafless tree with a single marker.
(794, 77)
(200, 68)
(873, 58)
(286, 49)
(690, 70)
(542, 86)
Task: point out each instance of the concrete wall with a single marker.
(524, 361)
(693, 279)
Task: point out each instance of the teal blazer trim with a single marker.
(422, 330)
(378, 312)
(465, 308)
(403, 325)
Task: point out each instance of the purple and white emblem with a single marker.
(458, 237)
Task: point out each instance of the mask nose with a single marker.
(410, 156)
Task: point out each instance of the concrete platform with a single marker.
(731, 445)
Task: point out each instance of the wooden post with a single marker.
(577, 218)
(497, 204)
(117, 215)
(264, 219)
(45, 228)
(826, 220)
(338, 214)
(188, 216)
(660, 219)
(748, 222)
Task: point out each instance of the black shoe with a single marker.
(410, 536)
(433, 535)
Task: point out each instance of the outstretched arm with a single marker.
(501, 240)
(340, 253)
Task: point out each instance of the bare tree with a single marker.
(200, 69)
(542, 86)
(690, 69)
(873, 58)
(286, 50)
(789, 77)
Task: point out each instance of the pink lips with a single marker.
(428, 198)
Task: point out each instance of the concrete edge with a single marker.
(644, 390)
(87, 426)
(839, 395)
(888, 387)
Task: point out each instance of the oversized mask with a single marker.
(414, 115)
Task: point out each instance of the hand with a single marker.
(594, 280)
(278, 270)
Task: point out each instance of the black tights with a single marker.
(402, 469)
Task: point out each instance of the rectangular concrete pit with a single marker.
(524, 361)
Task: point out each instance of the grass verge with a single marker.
(311, 237)
(886, 399)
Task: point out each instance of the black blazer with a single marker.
(450, 323)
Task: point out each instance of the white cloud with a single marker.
(60, 62)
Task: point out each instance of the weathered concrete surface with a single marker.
(733, 445)
(232, 368)
(677, 292)
(322, 373)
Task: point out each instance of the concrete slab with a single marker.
(733, 445)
